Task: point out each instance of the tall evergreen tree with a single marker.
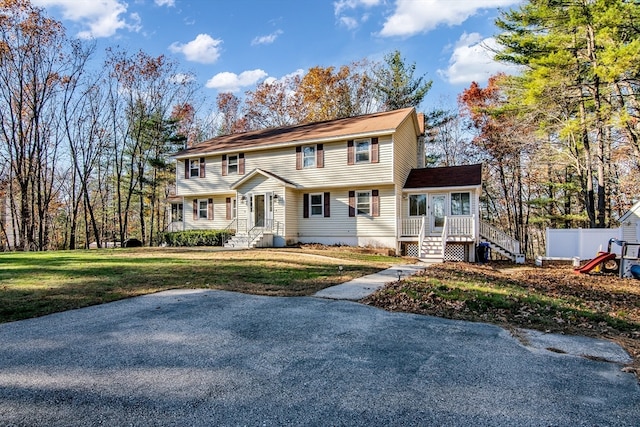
(396, 87)
(570, 78)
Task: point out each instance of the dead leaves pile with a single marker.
(552, 299)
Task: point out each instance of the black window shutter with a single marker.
(352, 203)
(202, 167)
(210, 209)
(195, 209)
(327, 205)
(305, 205)
(187, 165)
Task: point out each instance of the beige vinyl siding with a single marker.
(340, 228)
(291, 218)
(404, 159)
(219, 221)
(282, 162)
(406, 151)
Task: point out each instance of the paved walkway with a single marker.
(362, 287)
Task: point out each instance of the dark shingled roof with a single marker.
(450, 176)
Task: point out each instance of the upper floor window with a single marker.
(460, 204)
(232, 165)
(309, 156)
(417, 205)
(194, 168)
(363, 151)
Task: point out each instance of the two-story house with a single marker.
(356, 181)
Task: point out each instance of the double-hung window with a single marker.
(460, 204)
(203, 209)
(309, 156)
(194, 168)
(417, 205)
(363, 202)
(316, 204)
(232, 165)
(363, 151)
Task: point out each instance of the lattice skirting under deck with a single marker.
(456, 252)
(412, 250)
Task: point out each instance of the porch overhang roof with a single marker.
(265, 173)
(444, 177)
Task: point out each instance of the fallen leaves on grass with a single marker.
(551, 299)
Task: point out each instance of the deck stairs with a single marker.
(431, 249)
(501, 243)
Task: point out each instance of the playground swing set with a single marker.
(627, 265)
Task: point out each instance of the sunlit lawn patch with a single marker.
(37, 283)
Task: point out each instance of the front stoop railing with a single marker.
(251, 237)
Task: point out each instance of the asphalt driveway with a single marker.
(218, 358)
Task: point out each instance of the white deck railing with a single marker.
(411, 226)
(460, 226)
(456, 226)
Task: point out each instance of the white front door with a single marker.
(437, 211)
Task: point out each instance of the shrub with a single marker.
(194, 238)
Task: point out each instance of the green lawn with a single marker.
(37, 283)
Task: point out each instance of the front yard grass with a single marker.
(37, 283)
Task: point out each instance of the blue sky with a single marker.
(232, 45)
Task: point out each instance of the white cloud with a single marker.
(168, 3)
(103, 18)
(345, 9)
(341, 5)
(413, 17)
(181, 78)
(268, 39)
(203, 49)
(472, 60)
(232, 82)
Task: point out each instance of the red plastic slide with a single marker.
(602, 257)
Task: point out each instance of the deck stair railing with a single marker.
(500, 241)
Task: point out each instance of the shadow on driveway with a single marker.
(220, 358)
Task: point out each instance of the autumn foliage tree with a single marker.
(35, 58)
(506, 142)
